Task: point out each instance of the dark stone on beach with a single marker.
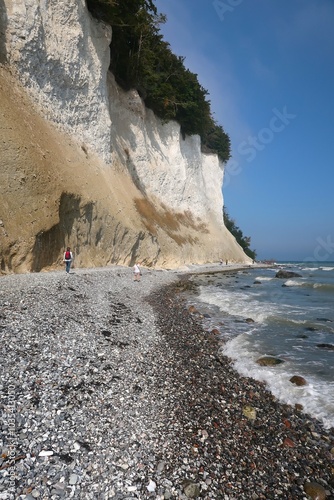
(249, 320)
(106, 333)
(325, 320)
(257, 282)
(192, 309)
(311, 329)
(215, 331)
(298, 380)
(329, 347)
(315, 491)
(269, 361)
(287, 274)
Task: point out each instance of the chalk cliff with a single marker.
(85, 164)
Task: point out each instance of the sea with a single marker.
(291, 319)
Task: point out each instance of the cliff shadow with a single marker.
(3, 29)
(49, 245)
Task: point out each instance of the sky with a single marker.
(268, 66)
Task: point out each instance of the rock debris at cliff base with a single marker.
(118, 392)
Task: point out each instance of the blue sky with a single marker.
(269, 68)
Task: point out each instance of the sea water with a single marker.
(293, 320)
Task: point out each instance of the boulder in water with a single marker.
(329, 347)
(269, 361)
(298, 380)
(287, 274)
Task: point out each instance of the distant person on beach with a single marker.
(68, 257)
(136, 272)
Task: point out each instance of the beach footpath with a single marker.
(111, 389)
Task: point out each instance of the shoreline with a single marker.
(279, 433)
(120, 393)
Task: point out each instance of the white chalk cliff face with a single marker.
(90, 165)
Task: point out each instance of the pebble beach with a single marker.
(112, 389)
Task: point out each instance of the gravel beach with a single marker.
(111, 388)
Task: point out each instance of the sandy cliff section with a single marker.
(87, 165)
(53, 194)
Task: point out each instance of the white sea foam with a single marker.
(306, 284)
(264, 278)
(237, 304)
(293, 283)
(327, 268)
(317, 398)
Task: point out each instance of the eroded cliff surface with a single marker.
(85, 164)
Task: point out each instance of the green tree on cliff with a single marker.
(244, 241)
(141, 59)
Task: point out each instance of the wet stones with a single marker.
(269, 361)
(315, 491)
(298, 380)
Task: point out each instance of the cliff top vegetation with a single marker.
(142, 60)
(244, 241)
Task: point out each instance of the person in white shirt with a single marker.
(136, 272)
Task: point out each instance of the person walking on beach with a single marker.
(68, 257)
(136, 272)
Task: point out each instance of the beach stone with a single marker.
(73, 479)
(151, 486)
(269, 361)
(315, 491)
(249, 412)
(249, 320)
(298, 380)
(287, 274)
(191, 489)
(160, 466)
(192, 309)
(289, 443)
